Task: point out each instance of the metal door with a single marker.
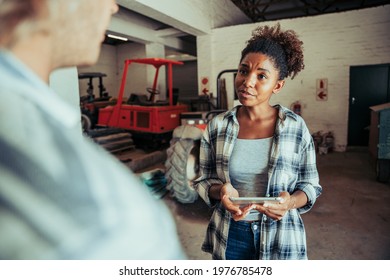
(369, 86)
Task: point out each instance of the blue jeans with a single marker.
(243, 241)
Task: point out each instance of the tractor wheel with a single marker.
(86, 123)
(181, 166)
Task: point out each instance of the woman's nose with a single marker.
(250, 81)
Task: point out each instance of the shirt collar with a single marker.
(16, 75)
(283, 113)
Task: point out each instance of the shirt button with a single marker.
(255, 227)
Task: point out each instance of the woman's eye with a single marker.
(242, 72)
(261, 77)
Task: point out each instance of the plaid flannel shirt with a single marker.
(292, 166)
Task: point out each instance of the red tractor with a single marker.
(144, 117)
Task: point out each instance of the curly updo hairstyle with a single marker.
(283, 47)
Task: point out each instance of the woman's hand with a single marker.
(277, 210)
(238, 213)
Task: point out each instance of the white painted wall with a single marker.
(107, 63)
(155, 50)
(186, 80)
(136, 81)
(332, 43)
(111, 62)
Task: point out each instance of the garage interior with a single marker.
(343, 94)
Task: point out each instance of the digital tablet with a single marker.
(257, 200)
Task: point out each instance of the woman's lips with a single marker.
(245, 93)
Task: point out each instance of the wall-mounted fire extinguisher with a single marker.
(296, 107)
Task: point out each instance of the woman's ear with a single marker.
(279, 85)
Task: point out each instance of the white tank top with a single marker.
(248, 168)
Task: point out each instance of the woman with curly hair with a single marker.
(259, 150)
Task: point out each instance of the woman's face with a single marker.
(257, 79)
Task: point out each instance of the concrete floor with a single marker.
(350, 221)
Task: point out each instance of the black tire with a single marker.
(86, 123)
(181, 166)
(383, 170)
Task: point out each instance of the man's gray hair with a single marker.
(19, 18)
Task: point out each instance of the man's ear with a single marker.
(279, 85)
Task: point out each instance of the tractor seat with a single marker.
(161, 103)
(142, 100)
(139, 99)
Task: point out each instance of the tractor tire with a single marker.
(86, 123)
(181, 166)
